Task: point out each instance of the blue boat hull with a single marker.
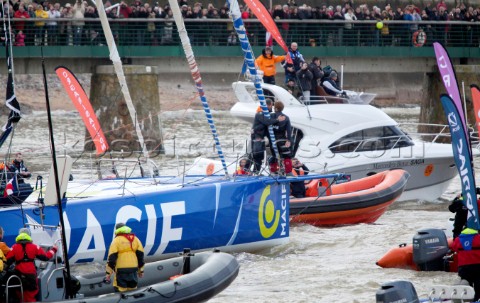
(242, 215)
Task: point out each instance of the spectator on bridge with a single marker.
(52, 26)
(20, 39)
(21, 13)
(78, 13)
(65, 27)
(40, 25)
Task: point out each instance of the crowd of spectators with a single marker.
(47, 30)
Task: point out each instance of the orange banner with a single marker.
(264, 16)
(82, 103)
(476, 104)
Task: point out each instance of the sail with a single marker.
(11, 99)
(476, 104)
(463, 160)
(117, 64)
(82, 104)
(250, 62)
(450, 81)
(192, 63)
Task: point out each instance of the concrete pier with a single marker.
(112, 111)
(431, 107)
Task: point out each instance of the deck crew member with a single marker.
(283, 137)
(467, 246)
(23, 254)
(18, 166)
(259, 131)
(125, 258)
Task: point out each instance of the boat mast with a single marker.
(250, 61)
(117, 64)
(192, 63)
(57, 184)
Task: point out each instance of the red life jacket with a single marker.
(467, 257)
(24, 255)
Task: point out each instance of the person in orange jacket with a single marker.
(266, 63)
(467, 247)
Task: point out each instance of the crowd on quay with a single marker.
(80, 31)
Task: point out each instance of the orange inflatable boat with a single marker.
(402, 257)
(359, 201)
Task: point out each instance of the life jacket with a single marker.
(241, 171)
(467, 247)
(312, 188)
(300, 173)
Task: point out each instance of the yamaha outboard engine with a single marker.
(429, 248)
(397, 291)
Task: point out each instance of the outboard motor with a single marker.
(397, 291)
(429, 248)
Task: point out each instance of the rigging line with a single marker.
(117, 65)
(57, 184)
(195, 71)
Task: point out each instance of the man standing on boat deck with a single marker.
(283, 137)
(125, 258)
(23, 253)
(259, 131)
(467, 246)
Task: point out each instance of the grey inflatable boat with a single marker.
(188, 278)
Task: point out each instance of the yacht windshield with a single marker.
(371, 139)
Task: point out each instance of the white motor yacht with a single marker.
(356, 139)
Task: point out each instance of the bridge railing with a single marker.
(219, 32)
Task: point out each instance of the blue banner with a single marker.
(463, 160)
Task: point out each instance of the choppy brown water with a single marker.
(318, 265)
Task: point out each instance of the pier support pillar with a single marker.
(113, 114)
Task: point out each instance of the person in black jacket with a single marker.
(315, 68)
(305, 77)
(461, 212)
(298, 189)
(259, 131)
(283, 138)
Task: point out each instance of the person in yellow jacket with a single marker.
(125, 258)
(40, 30)
(266, 63)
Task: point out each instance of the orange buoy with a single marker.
(210, 169)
